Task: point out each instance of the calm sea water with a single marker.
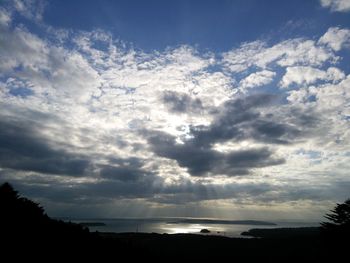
(176, 225)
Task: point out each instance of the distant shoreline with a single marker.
(176, 221)
(92, 224)
(225, 222)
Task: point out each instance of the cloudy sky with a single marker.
(221, 109)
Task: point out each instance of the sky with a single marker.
(214, 109)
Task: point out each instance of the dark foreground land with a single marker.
(26, 232)
(165, 247)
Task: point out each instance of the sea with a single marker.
(183, 225)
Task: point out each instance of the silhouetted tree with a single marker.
(339, 221)
(339, 216)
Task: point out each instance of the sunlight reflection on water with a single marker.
(182, 228)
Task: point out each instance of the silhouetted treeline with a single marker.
(26, 232)
(24, 226)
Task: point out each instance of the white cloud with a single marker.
(303, 52)
(238, 60)
(52, 69)
(257, 79)
(31, 9)
(334, 97)
(298, 96)
(19, 47)
(309, 75)
(336, 5)
(293, 52)
(336, 38)
(330, 102)
(5, 17)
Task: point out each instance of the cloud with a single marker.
(291, 52)
(202, 161)
(5, 17)
(22, 148)
(309, 75)
(257, 79)
(328, 100)
(151, 189)
(336, 5)
(334, 98)
(29, 50)
(181, 102)
(30, 9)
(89, 121)
(53, 70)
(244, 119)
(238, 120)
(126, 170)
(336, 38)
(89, 193)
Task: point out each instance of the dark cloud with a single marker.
(101, 191)
(235, 120)
(181, 102)
(202, 161)
(252, 101)
(194, 192)
(22, 148)
(122, 173)
(302, 118)
(275, 133)
(151, 188)
(242, 119)
(126, 170)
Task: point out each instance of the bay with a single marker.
(229, 228)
